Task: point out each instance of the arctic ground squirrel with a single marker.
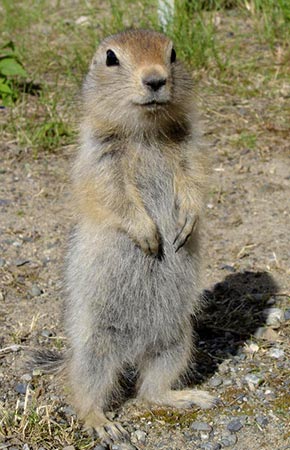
(133, 263)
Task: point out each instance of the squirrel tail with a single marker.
(47, 361)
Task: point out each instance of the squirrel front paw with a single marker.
(186, 223)
(147, 237)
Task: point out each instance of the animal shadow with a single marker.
(233, 312)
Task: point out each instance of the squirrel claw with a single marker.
(185, 231)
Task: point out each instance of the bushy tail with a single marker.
(47, 361)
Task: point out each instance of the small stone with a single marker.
(25, 447)
(141, 436)
(234, 426)
(2, 262)
(210, 446)
(82, 20)
(123, 446)
(251, 348)
(26, 377)
(268, 334)
(229, 440)
(100, 447)
(47, 333)
(17, 243)
(227, 267)
(201, 426)
(215, 382)
(35, 291)
(69, 411)
(15, 348)
(262, 421)
(204, 435)
(276, 353)
(111, 415)
(21, 388)
(21, 262)
(274, 316)
(69, 447)
(253, 379)
(287, 314)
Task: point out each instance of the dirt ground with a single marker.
(246, 270)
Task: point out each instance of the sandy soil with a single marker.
(246, 248)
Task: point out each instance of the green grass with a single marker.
(237, 50)
(55, 51)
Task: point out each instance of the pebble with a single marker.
(274, 316)
(251, 348)
(276, 353)
(69, 411)
(82, 20)
(26, 377)
(210, 446)
(253, 379)
(47, 333)
(190, 437)
(100, 447)
(17, 243)
(287, 314)
(140, 435)
(69, 447)
(123, 446)
(215, 382)
(21, 388)
(35, 291)
(21, 262)
(2, 262)
(25, 447)
(201, 426)
(262, 421)
(267, 334)
(229, 440)
(234, 426)
(227, 267)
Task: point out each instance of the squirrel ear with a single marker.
(93, 62)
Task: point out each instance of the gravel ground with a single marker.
(243, 336)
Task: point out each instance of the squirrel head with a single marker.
(136, 85)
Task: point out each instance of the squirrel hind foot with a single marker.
(185, 399)
(108, 432)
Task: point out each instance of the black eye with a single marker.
(173, 56)
(112, 59)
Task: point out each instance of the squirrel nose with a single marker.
(153, 82)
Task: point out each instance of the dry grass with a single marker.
(243, 74)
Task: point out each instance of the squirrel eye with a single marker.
(112, 59)
(173, 56)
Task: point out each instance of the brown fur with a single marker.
(139, 181)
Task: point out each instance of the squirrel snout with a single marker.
(154, 82)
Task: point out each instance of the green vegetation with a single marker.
(10, 67)
(56, 42)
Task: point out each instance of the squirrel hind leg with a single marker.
(93, 384)
(159, 373)
(108, 432)
(187, 398)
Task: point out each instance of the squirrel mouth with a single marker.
(152, 104)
